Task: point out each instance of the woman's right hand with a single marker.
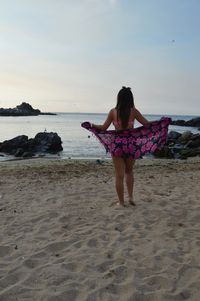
(86, 125)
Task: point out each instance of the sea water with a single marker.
(76, 141)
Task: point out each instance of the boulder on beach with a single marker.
(189, 152)
(11, 146)
(21, 146)
(185, 137)
(47, 142)
(173, 135)
(180, 146)
(194, 142)
(165, 152)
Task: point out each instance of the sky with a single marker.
(75, 55)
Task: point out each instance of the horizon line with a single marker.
(105, 113)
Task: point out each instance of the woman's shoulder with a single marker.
(135, 111)
(113, 112)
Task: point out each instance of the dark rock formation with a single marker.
(24, 109)
(195, 122)
(19, 152)
(180, 146)
(21, 146)
(28, 155)
(47, 142)
(173, 135)
(165, 152)
(185, 137)
(189, 152)
(11, 146)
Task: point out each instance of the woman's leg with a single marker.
(119, 177)
(129, 162)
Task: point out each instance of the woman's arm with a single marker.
(141, 118)
(106, 124)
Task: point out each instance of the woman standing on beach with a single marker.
(125, 144)
(123, 117)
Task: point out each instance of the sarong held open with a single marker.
(135, 142)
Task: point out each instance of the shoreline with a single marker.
(140, 162)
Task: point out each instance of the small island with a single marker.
(25, 109)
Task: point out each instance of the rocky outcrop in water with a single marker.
(195, 122)
(21, 146)
(25, 109)
(180, 146)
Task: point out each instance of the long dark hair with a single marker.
(125, 102)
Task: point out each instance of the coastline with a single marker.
(62, 240)
(46, 160)
(76, 141)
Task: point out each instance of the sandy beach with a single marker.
(62, 240)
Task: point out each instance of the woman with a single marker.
(126, 144)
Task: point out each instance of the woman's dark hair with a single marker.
(125, 102)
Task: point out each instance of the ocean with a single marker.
(77, 142)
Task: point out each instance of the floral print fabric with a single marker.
(133, 142)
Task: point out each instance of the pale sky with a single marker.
(75, 55)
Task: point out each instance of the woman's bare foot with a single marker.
(131, 202)
(121, 204)
(118, 204)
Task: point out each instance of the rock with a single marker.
(180, 146)
(178, 122)
(21, 146)
(11, 146)
(27, 155)
(172, 138)
(25, 109)
(176, 150)
(189, 152)
(165, 152)
(194, 122)
(19, 152)
(99, 162)
(47, 142)
(185, 137)
(47, 113)
(194, 142)
(173, 135)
